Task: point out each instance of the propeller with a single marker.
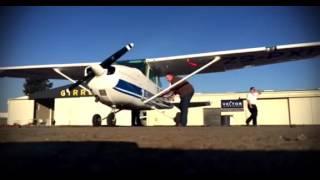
(106, 64)
(114, 57)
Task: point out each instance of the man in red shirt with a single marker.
(185, 91)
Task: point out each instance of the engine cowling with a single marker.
(96, 69)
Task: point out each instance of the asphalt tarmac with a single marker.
(204, 151)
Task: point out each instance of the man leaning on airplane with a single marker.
(185, 91)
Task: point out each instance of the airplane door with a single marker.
(44, 109)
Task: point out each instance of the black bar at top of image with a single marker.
(161, 2)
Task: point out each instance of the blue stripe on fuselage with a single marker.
(131, 89)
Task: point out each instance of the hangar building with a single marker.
(79, 108)
(297, 107)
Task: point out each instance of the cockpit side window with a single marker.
(154, 77)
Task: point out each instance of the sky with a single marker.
(57, 35)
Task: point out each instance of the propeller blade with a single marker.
(105, 64)
(114, 57)
(80, 81)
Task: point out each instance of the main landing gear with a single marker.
(96, 120)
(110, 119)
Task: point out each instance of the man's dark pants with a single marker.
(183, 106)
(254, 112)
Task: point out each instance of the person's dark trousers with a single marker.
(254, 113)
(135, 118)
(183, 106)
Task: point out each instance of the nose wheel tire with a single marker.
(96, 120)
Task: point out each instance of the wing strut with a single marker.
(69, 78)
(214, 60)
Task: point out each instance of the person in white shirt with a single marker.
(252, 106)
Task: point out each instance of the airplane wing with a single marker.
(75, 71)
(234, 59)
(185, 64)
(195, 104)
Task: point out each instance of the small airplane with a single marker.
(134, 84)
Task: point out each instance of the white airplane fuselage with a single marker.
(126, 88)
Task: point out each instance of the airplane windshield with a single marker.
(142, 66)
(137, 63)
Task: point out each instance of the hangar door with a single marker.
(43, 112)
(305, 111)
(273, 112)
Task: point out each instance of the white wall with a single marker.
(272, 106)
(273, 109)
(273, 112)
(165, 117)
(3, 114)
(305, 111)
(20, 111)
(79, 111)
(315, 107)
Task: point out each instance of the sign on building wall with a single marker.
(232, 105)
(77, 92)
(60, 92)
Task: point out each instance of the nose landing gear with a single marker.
(96, 120)
(110, 119)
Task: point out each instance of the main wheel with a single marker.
(135, 118)
(96, 120)
(111, 119)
